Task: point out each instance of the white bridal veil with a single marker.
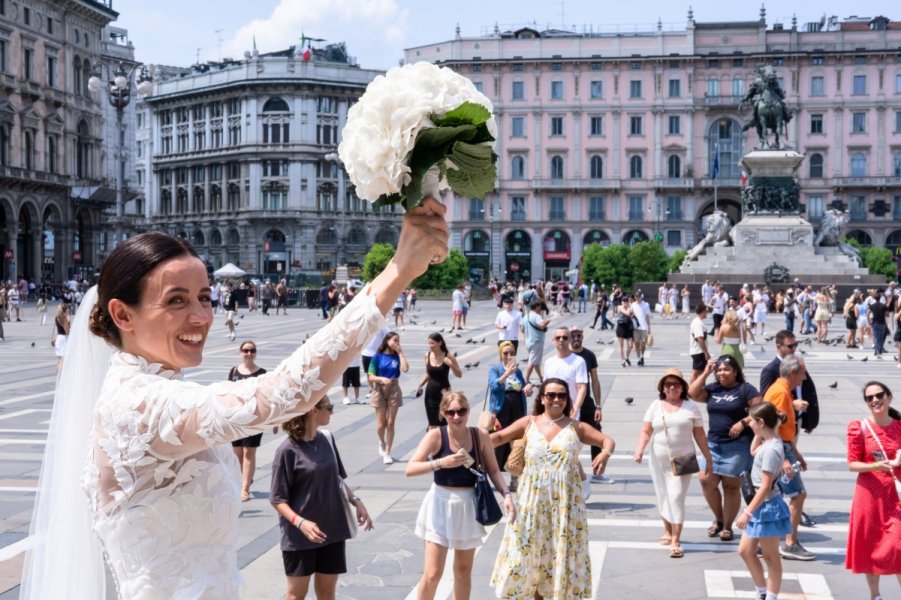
(64, 558)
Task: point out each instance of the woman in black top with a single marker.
(246, 448)
(439, 362)
(306, 472)
(447, 516)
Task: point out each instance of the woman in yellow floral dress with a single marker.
(543, 551)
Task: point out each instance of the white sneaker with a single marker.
(600, 479)
(382, 449)
(368, 394)
(361, 401)
(346, 401)
(387, 459)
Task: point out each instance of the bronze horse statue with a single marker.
(772, 116)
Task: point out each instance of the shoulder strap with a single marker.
(231, 374)
(476, 449)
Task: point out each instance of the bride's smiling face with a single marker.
(171, 322)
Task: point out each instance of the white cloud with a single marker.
(374, 30)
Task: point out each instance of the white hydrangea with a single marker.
(382, 126)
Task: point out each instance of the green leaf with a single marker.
(476, 171)
(469, 112)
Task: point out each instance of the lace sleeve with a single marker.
(179, 418)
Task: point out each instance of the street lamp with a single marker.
(119, 86)
(658, 206)
(341, 191)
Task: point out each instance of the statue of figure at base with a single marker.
(770, 114)
(832, 229)
(718, 226)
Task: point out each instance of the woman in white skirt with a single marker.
(61, 324)
(672, 426)
(447, 519)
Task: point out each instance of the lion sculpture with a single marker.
(719, 233)
(832, 228)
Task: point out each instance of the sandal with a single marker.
(715, 528)
(245, 496)
(665, 541)
(676, 553)
(726, 535)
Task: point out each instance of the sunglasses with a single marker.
(561, 338)
(575, 335)
(556, 395)
(249, 350)
(672, 384)
(877, 396)
(791, 346)
(328, 407)
(456, 412)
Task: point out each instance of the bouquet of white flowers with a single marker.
(418, 129)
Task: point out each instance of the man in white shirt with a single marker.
(640, 333)
(720, 302)
(697, 348)
(508, 323)
(457, 307)
(569, 367)
(707, 292)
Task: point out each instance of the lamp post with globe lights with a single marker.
(121, 81)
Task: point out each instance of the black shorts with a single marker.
(328, 560)
(252, 441)
(351, 377)
(366, 361)
(624, 331)
(698, 362)
(851, 323)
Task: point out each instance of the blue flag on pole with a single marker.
(716, 166)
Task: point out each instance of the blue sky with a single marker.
(376, 31)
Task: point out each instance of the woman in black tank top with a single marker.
(439, 362)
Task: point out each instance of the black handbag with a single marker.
(748, 491)
(488, 511)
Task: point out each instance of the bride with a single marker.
(161, 502)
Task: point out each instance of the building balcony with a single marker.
(476, 215)
(866, 182)
(597, 215)
(557, 215)
(721, 182)
(518, 215)
(674, 183)
(722, 100)
(575, 184)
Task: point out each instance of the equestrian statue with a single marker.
(770, 114)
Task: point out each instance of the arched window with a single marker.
(276, 105)
(674, 167)
(518, 168)
(234, 238)
(356, 237)
(858, 164)
(51, 154)
(198, 200)
(84, 149)
(197, 238)
(165, 202)
(86, 75)
(635, 167)
(597, 167)
(215, 238)
(386, 236)
(29, 151)
(724, 140)
(181, 201)
(327, 236)
(556, 167)
(816, 165)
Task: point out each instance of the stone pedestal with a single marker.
(790, 234)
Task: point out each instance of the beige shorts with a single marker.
(230, 316)
(386, 395)
(639, 336)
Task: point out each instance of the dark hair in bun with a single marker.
(123, 273)
(767, 413)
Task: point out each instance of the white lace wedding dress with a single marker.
(162, 483)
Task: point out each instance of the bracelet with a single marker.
(301, 522)
(874, 466)
(748, 514)
(506, 493)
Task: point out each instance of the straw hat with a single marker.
(672, 372)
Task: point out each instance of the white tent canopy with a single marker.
(228, 270)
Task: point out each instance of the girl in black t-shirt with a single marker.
(246, 448)
(729, 439)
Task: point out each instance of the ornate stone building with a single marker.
(610, 134)
(50, 137)
(241, 160)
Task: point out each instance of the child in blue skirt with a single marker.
(766, 519)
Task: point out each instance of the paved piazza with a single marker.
(386, 563)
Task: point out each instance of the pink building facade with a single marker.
(607, 138)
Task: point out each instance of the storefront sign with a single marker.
(555, 255)
(8, 254)
(476, 254)
(76, 256)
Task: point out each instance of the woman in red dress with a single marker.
(874, 452)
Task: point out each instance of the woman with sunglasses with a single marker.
(246, 448)
(439, 363)
(447, 519)
(387, 398)
(507, 392)
(313, 523)
(543, 553)
(729, 438)
(672, 427)
(874, 453)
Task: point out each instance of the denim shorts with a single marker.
(795, 485)
(730, 459)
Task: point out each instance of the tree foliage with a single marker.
(879, 261)
(444, 276)
(676, 260)
(648, 261)
(625, 264)
(376, 260)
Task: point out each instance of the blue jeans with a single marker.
(879, 331)
(582, 304)
(790, 321)
(808, 325)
